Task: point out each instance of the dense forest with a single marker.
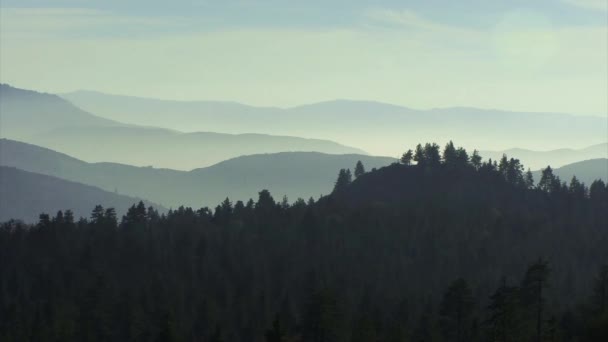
(440, 247)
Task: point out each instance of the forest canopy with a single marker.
(440, 247)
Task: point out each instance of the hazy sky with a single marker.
(541, 55)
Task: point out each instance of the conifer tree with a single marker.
(359, 169)
(407, 157)
(533, 296)
(457, 307)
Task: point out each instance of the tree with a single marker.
(407, 157)
(419, 156)
(503, 315)
(359, 169)
(431, 155)
(577, 188)
(462, 158)
(476, 160)
(548, 181)
(532, 292)
(529, 179)
(457, 307)
(598, 191)
(321, 320)
(366, 325)
(449, 154)
(600, 291)
(343, 181)
(265, 202)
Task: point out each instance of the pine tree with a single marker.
(419, 156)
(532, 293)
(407, 157)
(476, 160)
(503, 313)
(343, 181)
(359, 169)
(322, 320)
(600, 291)
(529, 179)
(449, 154)
(457, 307)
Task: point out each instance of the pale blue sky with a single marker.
(541, 55)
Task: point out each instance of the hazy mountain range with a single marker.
(378, 128)
(586, 171)
(295, 174)
(540, 159)
(53, 122)
(24, 195)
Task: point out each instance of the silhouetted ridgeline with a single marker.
(450, 249)
(53, 122)
(295, 174)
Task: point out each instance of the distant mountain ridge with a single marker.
(24, 195)
(379, 128)
(556, 158)
(295, 174)
(586, 171)
(50, 121)
(25, 113)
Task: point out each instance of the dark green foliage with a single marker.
(359, 169)
(322, 318)
(343, 181)
(504, 315)
(374, 261)
(533, 295)
(407, 157)
(456, 310)
(276, 333)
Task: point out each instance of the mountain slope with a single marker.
(50, 121)
(556, 158)
(586, 171)
(25, 113)
(23, 195)
(379, 128)
(295, 174)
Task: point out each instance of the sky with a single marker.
(541, 55)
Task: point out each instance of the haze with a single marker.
(547, 56)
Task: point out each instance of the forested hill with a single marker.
(24, 195)
(450, 249)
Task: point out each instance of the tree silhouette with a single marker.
(532, 291)
(504, 316)
(600, 291)
(343, 181)
(321, 322)
(529, 179)
(407, 157)
(457, 307)
(419, 156)
(476, 160)
(359, 169)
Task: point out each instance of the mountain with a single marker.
(400, 254)
(295, 174)
(25, 113)
(379, 128)
(536, 160)
(50, 121)
(586, 171)
(23, 195)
